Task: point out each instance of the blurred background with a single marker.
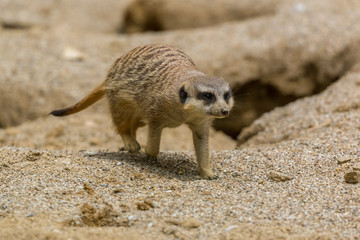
(272, 52)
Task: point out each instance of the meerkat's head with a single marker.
(208, 96)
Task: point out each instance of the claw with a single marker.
(208, 175)
(215, 177)
(131, 147)
(151, 158)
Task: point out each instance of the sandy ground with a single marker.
(276, 186)
(291, 190)
(65, 178)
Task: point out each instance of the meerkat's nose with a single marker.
(224, 112)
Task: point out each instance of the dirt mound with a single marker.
(269, 61)
(92, 217)
(162, 15)
(334, 110)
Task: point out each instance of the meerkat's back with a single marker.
(149, 68)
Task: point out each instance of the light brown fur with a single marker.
(160, 86)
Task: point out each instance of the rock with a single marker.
(343, 159)
(31, 215)
(73, 54)
(15, 25)
(352, 177)
(266, 65)
(142, 206)
(12, 131)
(279, 177)
(145, 205)
(187, 222)
(190, 222)
(316, 116)
(230, 228)
(149, 202)
(92, 216)
(356, 168)
(39, 75)
(161, 15)
(173, 231)
(88, 189)
(33, 156)
(118, 190)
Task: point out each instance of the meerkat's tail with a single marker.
(90, 99)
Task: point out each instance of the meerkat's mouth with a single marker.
(217, 115)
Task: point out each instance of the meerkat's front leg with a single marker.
(153, 140)
(201, 143)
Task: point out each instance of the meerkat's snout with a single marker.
(220, 109)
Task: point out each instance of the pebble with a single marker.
(189, 222)
(172, 231)
(31, 215)
(118, 190)
(357, 82)
(73, 54)
(279, 177)
(88, 189)
(89, 153)
(228, 229)
(12, 131)
(144, 206)
(356, 168)
(352, 177)
(33, 156)
(343, 159)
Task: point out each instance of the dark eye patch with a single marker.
(207, 96)
(227, 96)
(183, 95)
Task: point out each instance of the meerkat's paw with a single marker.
(151, 158)
(132, 146)
(151, 152)
(207, 174)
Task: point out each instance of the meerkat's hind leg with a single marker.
(130, 143)
(127, 130)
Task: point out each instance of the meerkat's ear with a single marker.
(183, 94)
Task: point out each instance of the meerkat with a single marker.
(160, 86)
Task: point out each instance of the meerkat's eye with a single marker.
(183, 94)
(227, 96)
(206, 96)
